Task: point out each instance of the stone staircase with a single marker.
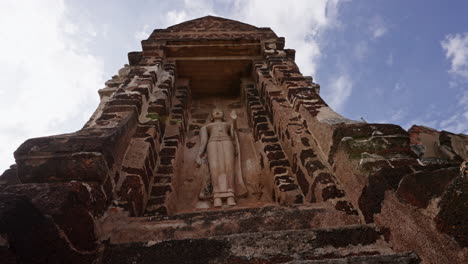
(269, 234)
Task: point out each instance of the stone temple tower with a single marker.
(210, 146)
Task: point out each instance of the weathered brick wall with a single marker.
(172, 149)
(282, 90)
(273, 159)
(77, 175)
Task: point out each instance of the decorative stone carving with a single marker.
(224, 179)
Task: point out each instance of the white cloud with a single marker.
(389, 60)
(398, 87)
(398, 114)
(144, 33)
(377, 27)
(361, 50)
(49, 79)
(340, 89)
(378, 31)
(192, 9)
(379, 91)
(456, 50)
(176, 17)
(300, 23)
(458, 122)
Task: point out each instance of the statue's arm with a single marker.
(231, 130)
(203, 142)
(233, 126)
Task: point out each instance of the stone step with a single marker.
(225, 222)
(396, 258)
(261, 247)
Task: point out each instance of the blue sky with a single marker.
(402, 62)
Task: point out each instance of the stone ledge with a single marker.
(227, 222)
(261, 247)
(86, 155)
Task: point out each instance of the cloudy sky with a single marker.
(399, 61)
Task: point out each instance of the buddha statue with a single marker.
(216, 140)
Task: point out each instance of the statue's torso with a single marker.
(219, 131)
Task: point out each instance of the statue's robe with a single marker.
(209, 190)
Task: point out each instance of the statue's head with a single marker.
(217, 114)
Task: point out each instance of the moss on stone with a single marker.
(153, 116)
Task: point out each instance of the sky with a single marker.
(401, 62)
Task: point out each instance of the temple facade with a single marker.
(210, 146)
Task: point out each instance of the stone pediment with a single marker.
(209, 28)
(212, 23)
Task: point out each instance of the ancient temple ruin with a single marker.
(210, 146)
